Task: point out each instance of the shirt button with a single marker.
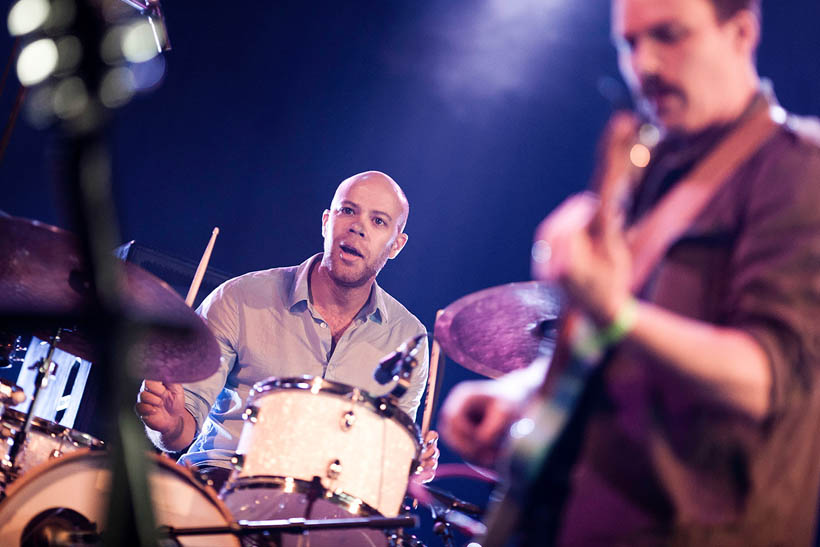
(323, 324)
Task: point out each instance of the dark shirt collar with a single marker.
(677, 154)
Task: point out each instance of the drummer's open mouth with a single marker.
(350, 250)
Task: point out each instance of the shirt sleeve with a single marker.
(220, 312)
(775, 269)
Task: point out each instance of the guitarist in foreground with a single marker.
(699, 421)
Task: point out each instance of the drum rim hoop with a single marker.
(159, 459)
(15, 419)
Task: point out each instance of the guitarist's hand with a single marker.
(586, 253)
(581, 244)
(475, 419)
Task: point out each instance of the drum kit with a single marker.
(343, 484)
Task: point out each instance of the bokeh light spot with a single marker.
(639, 155)
(138, 43)
(27, 16)
(37, 61)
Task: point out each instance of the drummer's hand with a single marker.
(429, 459)
(475, 419)
(161, 406)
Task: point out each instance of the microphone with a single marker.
(391, 365)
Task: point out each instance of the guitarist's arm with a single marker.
(727, 362)
(595, 272)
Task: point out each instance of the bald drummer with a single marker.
(326, 317)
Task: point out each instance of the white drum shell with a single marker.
(81, 481)
(299, 433)
(45, 440)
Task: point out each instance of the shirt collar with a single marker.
(299, 297)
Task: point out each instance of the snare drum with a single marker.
(44, 440)
(361, 451)
(75, 489)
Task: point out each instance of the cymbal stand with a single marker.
(441, 526)
(46, 368)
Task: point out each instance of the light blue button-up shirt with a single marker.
(266, 325)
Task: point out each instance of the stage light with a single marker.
(138, 43)
(639, 155)
(37, 61)
(27, 16)
(70, 98)
(649, 135)
(117, 87)
(39, 106)
(69, 53)
(111, 45)
(60, 17)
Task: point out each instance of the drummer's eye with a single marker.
(346, 210)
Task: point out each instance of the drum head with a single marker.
(72, 491)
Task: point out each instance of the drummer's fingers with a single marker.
(432, 461)
(143, 409)
(430, 438)
(174, 389)
(429, 453)
(154, 386)
(148, 398)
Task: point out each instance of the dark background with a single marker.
(486, 112)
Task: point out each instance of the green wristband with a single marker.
(623, 323)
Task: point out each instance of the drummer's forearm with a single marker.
(177, 439)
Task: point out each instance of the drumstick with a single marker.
(200, 271)
(429, 403)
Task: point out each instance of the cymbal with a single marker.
(45, 283)
(497, 330)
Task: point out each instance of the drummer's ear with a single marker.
(397, 245)
(325, 216)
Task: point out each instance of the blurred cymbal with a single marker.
(497, 330)
(45, 284)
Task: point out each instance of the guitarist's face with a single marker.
(688, 69)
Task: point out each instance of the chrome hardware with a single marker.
(347, 420)
(334, 469)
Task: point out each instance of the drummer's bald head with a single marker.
(377, 179)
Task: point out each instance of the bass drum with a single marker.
(71, 493)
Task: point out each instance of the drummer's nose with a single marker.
(357, 228)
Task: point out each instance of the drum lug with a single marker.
(250, 414)
(347, 421)
(56, 453)
(334, 469)
(238, 461)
